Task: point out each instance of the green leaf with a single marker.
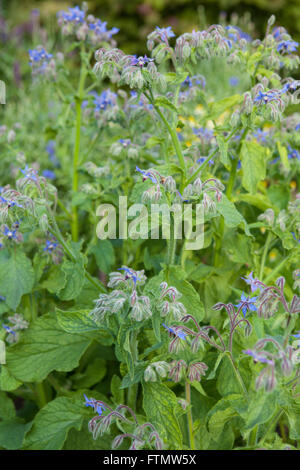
(75, 279)
(218, 416)
(117, 392)
(283, 153)
(254, 158)
(105, 255)
(45, 347)
(7, 407)
(52, 424)
(227, 383)
(56, 280)
(260, 409)
(12, 433)
(16, 276)
(76, 321)
(83, 440)
(139, 370)
(199, 388)
(219, 107)
(7, 381)
(163, 101)
(92, 375)
(257, 200)
(161, 407)
(232, 216)
(223, 147)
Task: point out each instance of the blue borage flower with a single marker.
(203, 133)
(9, 329)
(258, 357)
(49, 174)
(251, 282)
(9, 203)
(287, 46)
(233, 81)
(180, 196)
(193, 81)
(236, 33)
(30, 173)
(140, 61)
(165, 33)
(142, 102)
(2, 298)
(146, 175)
(99, 29)
(201, 160)
(39, 55)
(125, 142)
(74, 15)
(293, 153)
(267, 96)
(261, 136)
(10, 233)
(99, 408)
(130, 274)
(247, 304)
(105, 99)
(297, 335)
(179, 334)
(50, 149)
(50, 246)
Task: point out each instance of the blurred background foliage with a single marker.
(23, 23)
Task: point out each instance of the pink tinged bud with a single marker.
(286, 367)
(133, 298)
(117, 441)
(196, 370)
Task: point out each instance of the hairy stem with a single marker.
(190, 416)
(263, 259)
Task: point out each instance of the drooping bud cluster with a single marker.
(156, 370)
(284, 356)
(126, 295)
(137, 72)
(168, 302)
(141, 436)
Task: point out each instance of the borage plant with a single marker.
(136, 337)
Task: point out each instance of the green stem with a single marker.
(172, 132)
(41, 395)
(190, 416)
(238, 375)
(263, 259)
(57, 234)
(253, 436)
(78, 102)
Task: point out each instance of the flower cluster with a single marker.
(41, 62)
(142, 436)
(18, 323)
(285, 356)
(86, 27)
